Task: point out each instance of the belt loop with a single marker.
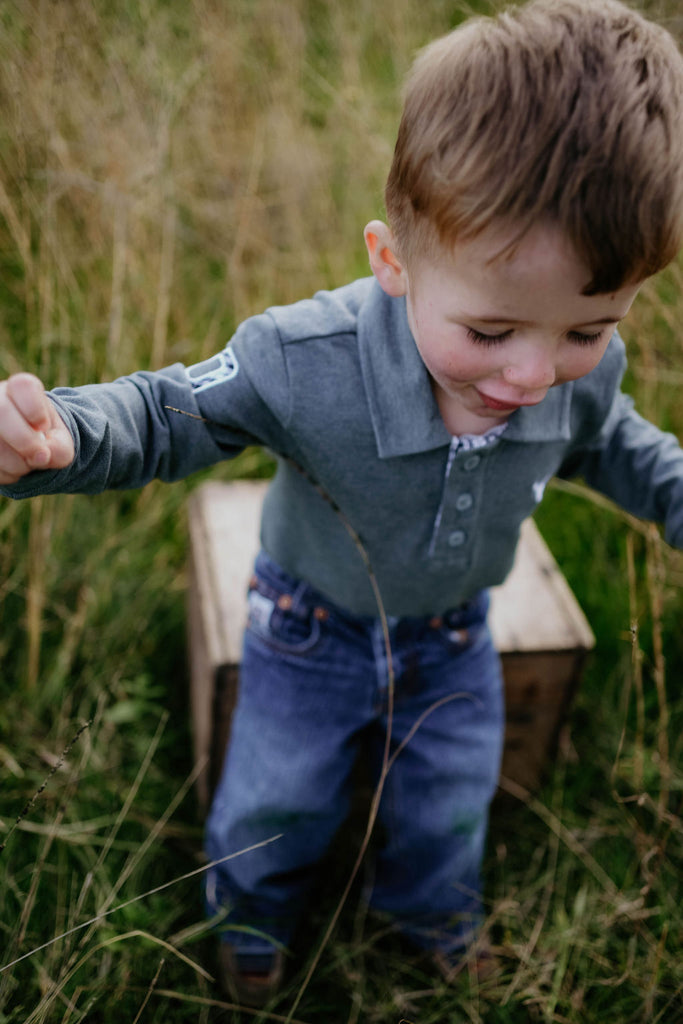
(298, 598)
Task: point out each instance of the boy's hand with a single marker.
(32, 433)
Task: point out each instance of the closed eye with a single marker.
(578, 337)
(581, 338)
(480, 338)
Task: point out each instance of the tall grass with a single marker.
(165, 170)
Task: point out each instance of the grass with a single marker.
(165, 170)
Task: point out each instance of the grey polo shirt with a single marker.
(335, 385)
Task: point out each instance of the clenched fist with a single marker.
(32, 433)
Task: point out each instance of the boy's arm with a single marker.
(636, 465)
(165, 424)
(123, 435)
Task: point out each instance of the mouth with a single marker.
(494, 403)
(498, 406)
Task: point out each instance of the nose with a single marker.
(532, 367)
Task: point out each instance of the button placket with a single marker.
(453, 532)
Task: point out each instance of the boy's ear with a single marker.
(390, 273)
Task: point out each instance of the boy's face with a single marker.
(496, 333)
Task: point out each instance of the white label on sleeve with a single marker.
(216, 370)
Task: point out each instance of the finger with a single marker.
(27, 394)
(17, 433)
(12, 466)
(60, 445)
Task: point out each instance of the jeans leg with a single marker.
(303, 700)
(437, 794)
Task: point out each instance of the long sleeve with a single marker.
(636, 465)
(171, 423)
(639, 467)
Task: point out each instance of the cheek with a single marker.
(447, 349)
(455, 357)
(580, 361)
(467, 361)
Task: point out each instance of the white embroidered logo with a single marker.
(538, 489)
(211, 372)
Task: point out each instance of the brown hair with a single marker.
(568, 110)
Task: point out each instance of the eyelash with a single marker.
(495, 339)
(584, 339)
(486, 339)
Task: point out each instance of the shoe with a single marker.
(252, 984)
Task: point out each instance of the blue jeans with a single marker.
(314, 680)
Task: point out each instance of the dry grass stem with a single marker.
(655, 583)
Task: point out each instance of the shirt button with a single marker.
(471, 462)
(457, 538)
(463, 502)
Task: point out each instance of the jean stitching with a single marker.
(269, 637)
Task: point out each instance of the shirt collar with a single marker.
(405, 416)
(404, 413)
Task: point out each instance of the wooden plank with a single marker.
(224, 537)
(539, 687)
(534, 583)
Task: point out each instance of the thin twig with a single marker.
(152, 986)
(595, 498)
(55, 768)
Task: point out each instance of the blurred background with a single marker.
(168, 168)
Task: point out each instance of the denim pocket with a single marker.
(293, 631)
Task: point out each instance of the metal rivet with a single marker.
(284, 602)
(459, 636)
(321, 614)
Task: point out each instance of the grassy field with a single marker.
(167, 168)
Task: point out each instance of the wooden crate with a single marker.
(537, 626)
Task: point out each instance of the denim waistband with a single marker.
(301, 599)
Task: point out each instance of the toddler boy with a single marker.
(537, 182)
